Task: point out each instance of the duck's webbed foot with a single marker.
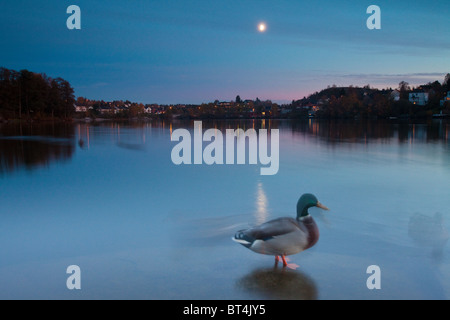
(285, 260)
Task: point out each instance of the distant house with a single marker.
(419, 98)
(147, 109)
(446, 99)
(395, 95)
(225, 104)
(322, 102)
(106, 110)
(285, 111)
(81, 109)
(312, 111)
(120, 109)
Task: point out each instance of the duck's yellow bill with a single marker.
(321, 206)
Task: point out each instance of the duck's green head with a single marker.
(305, 202)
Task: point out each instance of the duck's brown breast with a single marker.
(312, 230)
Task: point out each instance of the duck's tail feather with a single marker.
(244, 239)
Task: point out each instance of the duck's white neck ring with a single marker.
(305, 217)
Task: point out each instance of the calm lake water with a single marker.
(108, 198)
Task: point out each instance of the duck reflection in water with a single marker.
(279, 284)
(429, 231)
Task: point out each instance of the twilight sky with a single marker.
(194, 51)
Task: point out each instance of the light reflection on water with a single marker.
(108, 198)
(261, 214)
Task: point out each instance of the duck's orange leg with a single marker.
(292, 266)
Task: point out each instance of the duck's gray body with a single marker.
(280, 237)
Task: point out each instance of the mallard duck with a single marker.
(284, 236)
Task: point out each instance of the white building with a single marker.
(80, 108)
(395, 95)
(419, 98)
(147, 110)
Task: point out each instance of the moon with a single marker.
(262, 27)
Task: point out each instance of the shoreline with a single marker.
(147, 120)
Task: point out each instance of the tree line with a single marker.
(233, 110)
(350, 102)
(28, 95)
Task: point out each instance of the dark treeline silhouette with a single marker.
(28, 95)
(366, 102)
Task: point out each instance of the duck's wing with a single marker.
(267, 231)
(274, 228)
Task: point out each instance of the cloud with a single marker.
(385, 79)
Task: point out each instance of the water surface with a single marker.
(108, 198)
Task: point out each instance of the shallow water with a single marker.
(108, 198)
